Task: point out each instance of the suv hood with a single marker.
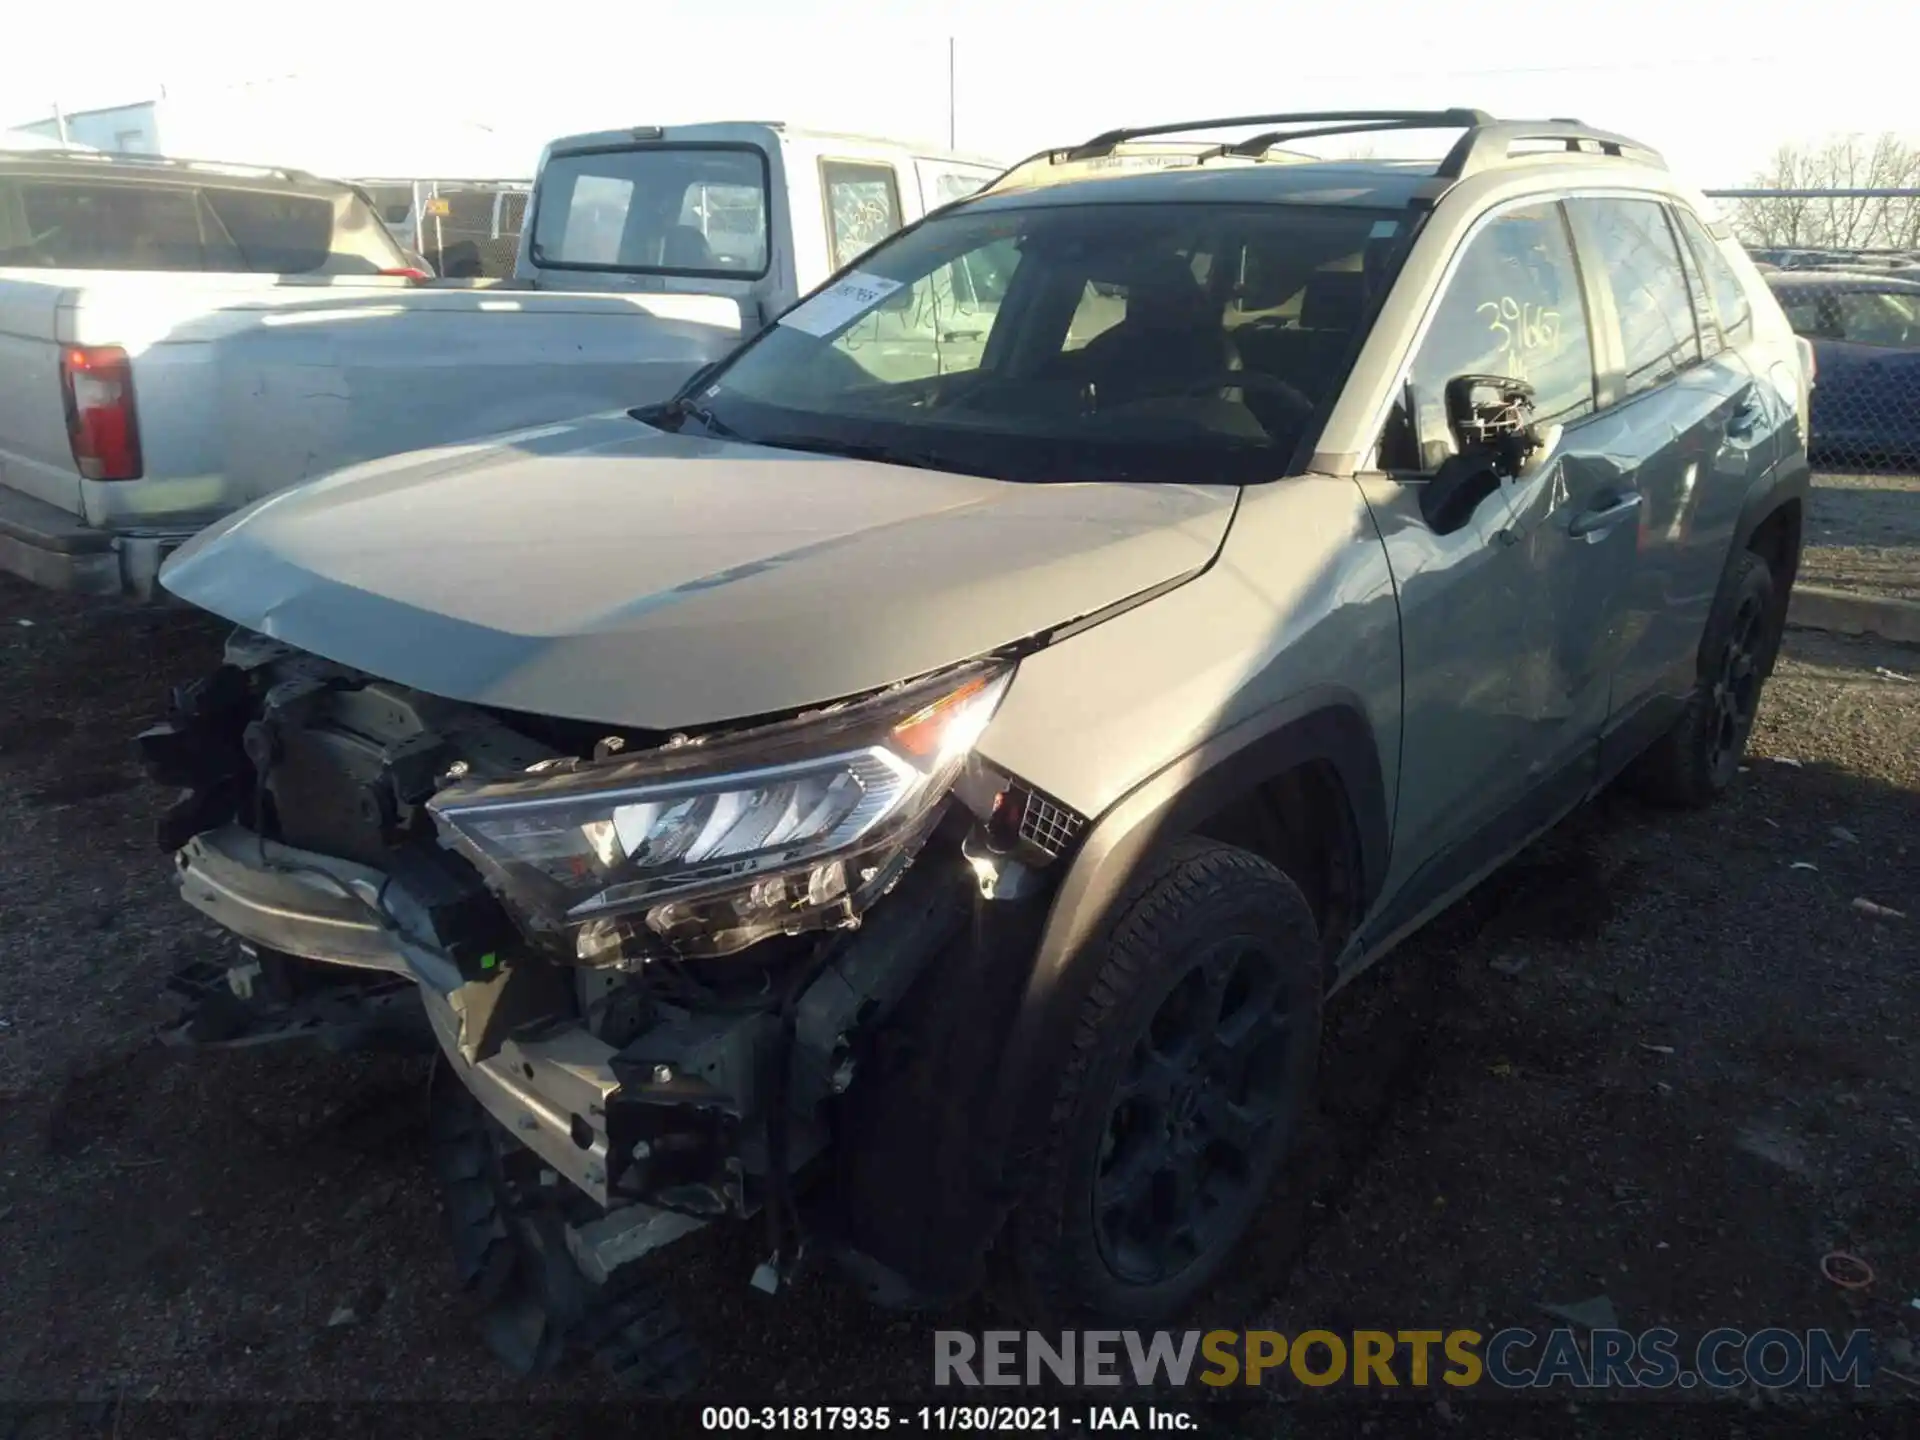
(604, 570)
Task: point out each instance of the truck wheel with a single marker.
(1694, 762)
(1191, 1062)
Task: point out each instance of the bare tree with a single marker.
(1836, 222)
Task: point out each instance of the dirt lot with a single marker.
(1863, 533)
(1661, 1059)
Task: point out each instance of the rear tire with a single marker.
(1694, 762)
(1190, 1065)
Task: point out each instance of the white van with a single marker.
(760, 211)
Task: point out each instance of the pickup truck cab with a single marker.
(181, 339)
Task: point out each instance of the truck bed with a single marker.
(244, 385)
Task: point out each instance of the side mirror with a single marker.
(1491, 417)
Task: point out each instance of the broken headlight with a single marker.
(713, 845)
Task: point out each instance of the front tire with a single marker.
(1190, 1065)
(1694, 762)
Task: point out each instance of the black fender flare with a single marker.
(1325, 724)
(1790, 480)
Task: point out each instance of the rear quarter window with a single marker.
(1730, 300)
(275, 234)
(128, 225)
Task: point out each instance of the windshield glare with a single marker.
(686, 209)
(1168, 342)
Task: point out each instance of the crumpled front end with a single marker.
(657, 961)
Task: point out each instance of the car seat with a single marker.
(683, 247)
(1172, 335)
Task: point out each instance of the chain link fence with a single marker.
(471, 231)
(1845, 266)
(465, 229)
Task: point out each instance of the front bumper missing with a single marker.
(305, 904)
(681, 1114)
(550, 1091)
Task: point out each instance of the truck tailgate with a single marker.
(35, 457)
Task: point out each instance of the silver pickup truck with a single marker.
(179, 339)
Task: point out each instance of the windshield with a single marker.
(675, 209)
(1175, 342)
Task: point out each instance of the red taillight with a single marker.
(407, 272)
(96, 383)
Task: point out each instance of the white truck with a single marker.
(178, 340)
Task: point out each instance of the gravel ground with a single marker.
(1660, 1058)
(1863, 533)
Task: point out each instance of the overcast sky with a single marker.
(1718, 86)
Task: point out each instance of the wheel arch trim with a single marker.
(1326, 724)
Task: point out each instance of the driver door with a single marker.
(1508, 607)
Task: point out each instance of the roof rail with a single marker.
(1485, 142)
(1334, 122)
(121, 157)
(1491, 142)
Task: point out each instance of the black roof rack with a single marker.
(1485, 141)
(1334, 122)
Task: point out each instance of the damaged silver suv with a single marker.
(912, 795)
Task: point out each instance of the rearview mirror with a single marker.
(1491, 416)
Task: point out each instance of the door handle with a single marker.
(1592, 522)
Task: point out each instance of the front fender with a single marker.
(1327, 724)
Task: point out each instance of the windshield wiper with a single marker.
(673, 413)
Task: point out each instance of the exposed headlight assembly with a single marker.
(712, 846)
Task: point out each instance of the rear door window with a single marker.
(1634, 249)
(863, 207)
